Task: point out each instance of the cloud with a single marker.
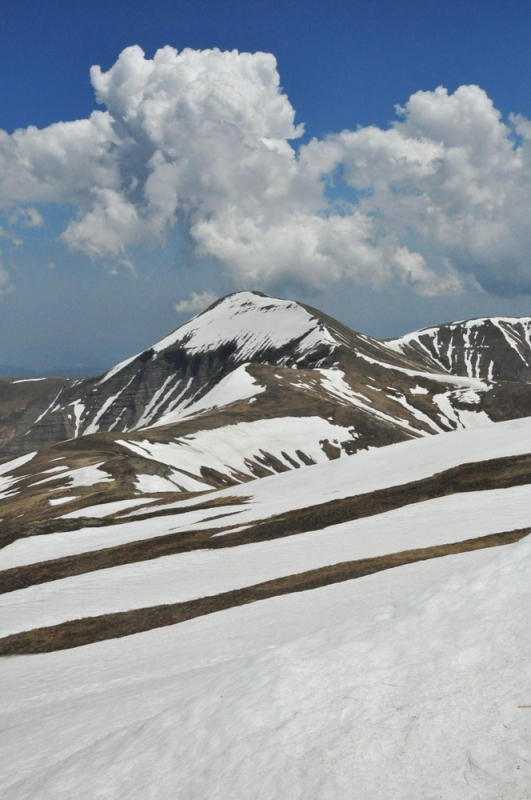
(5, 283)
(195, 302)
(207, 140)
(12, 237)
(26, 217)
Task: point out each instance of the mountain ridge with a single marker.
(241, 328)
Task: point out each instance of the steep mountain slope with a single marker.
(23, 403)
(182, 368)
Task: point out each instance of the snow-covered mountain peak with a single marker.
(259, 357)
(254, 322)
(248, 323)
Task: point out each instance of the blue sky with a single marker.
(385, 255)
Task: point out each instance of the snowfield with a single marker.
(228, 449)
(408, 684)
(201, 573)
(414, 682)
(364, 472)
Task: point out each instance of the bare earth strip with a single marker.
(501, 473)
(112, 626)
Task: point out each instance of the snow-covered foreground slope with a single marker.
(412, 682)
(408, 684)
(201, 573)
(367, 471)
(362, 473)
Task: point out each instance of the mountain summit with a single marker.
(286, 358)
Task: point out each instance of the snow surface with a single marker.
(370, 470)
(227, 449)
(237, 385)
(81, 476)
(464, 418)
(201, 573)
(256, 323)
(15, 463)
(78, 409)
(28, 380)
(86, 476)
(105, 509)
(7, 481)
(30, 550)
(57, 501)
(412, 683)
(154, 483)
(118, 368)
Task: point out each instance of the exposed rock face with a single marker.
(494, 349)
(22, 403)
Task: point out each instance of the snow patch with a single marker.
(85, 476)
(237, 385)
(154, 483)
(60, 500)
(7, 481)
(15, 463)
(118, 368)
(28, 380)
(106, 509)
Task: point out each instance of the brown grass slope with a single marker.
(499, 473)
(88, 630)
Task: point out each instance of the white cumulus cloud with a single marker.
(207, 140)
